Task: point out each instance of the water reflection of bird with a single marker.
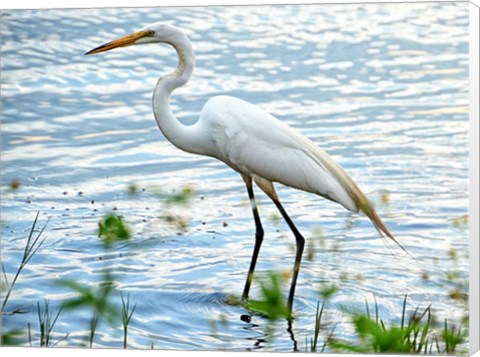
(252, 142)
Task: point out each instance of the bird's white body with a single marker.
(251, 141)
(256, 144)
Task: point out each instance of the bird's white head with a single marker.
(153, 33)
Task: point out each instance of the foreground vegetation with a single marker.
(416, 332)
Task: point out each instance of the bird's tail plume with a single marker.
(366, 207)
(360, 201)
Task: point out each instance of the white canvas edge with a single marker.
(474, 181)
(474, 298)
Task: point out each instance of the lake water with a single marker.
(382, 87)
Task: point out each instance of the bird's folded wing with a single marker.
(253, 141)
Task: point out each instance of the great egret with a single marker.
(252, 142)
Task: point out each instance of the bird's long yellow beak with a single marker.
(120, 42)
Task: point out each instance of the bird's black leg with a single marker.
(268, 188)
(258, 236)
(300, 242)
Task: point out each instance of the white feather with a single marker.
(253, 142)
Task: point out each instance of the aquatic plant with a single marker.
(169, 200)
(11, 337)
(126, 317)
(182, 197)
(14, 185)
(272, 304)
(47, 322)
(328, 290)
(112, 228)
(316, 332)
(32, 246)
(416, 334)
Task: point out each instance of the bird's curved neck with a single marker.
(186, 64)
(182, 136)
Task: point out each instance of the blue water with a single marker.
(382, 87)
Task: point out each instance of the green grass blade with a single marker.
(402, 324)
(29, 251)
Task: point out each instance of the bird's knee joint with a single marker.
(300, 240)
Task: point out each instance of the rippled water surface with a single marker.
(382, 88)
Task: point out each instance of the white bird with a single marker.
(252, 142)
